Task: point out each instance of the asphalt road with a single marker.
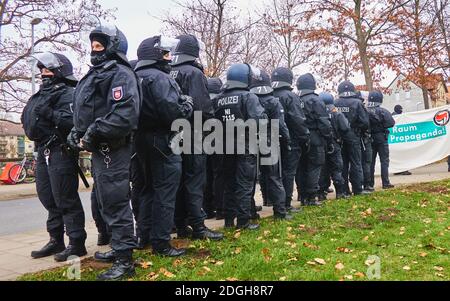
(19, 216)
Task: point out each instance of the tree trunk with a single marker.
(420, 55)
(362, 47)
(426, 99)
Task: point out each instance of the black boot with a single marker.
(169, 251)
(103, 239)
(388, 186)
(184, 233)
(278, 216)
(311, 201)
(143, 243)
(219, 215)
(322, 197)
(247, 225)
(77, 249)
(123, 267)
(291, 209)
(52, 247)
(259, 208)
(229, 223)
(109, 256)
(204, 232)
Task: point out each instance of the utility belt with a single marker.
(115, 144)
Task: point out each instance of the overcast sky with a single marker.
(140, 19)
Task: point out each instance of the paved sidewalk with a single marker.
(21, 191)
(15, 249)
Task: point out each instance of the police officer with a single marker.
(380, 122)
(333, 165)
(318, 123)
(282, 79)
(366, 152)
(239, 170)
(213, 198)
(47, 120)
(271, 177)
(189, 75)
(106, 110)
(162, 104)
(354, 111)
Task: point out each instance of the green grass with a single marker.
(407, 228)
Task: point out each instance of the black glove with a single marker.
(73, 140)
(87, 141)
(45, 111)
(186, 99)
(285, 144)
(330, 148)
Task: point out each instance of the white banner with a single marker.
(418, 139)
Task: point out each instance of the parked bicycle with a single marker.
(23, 172)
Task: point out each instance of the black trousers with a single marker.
(239, 173)
(57, 189)
(382, 150)
(366, 155)
(137, 185)
(289, 163)
(352, 170)
(271, 180)
(332, 170)
(208, 200)
(189, 205)
(308, 172)
(112, 187)
(162, 173)
(102, 226)
(218, 187)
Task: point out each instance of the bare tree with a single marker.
(61, 30)
(216, 23)
(282, 19)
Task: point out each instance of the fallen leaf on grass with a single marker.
(166, 273)
(282, 278)
(266, 232)
(292, 259)
(366, 238)
(219, 263)
(369, 262)
(310, 246)
(311, 262)
(349, 277)
(438, 268)
(232, 279)
(423, 254)
(406, 268)
(360, 275)
(339, 266)
(266, 253)
(237, 234)
(152, 276)
(237, 251)
(344, 250)
(320, 261)
(207, 269)
(145, 264)
(439, 275)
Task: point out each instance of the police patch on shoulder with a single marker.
(117, 93)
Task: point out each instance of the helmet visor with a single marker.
(167, 44)
(48, 60)
(107, 29)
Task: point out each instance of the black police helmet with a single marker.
(188, 49)
(117, 43)
(398, 109)
(240, 76)
(58, 63)
(214, 85)
(346, 89)
(306, 83)
(282, 77)
(261, 85)
(327, 98)
(376, 96)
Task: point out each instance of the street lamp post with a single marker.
(33, 22)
